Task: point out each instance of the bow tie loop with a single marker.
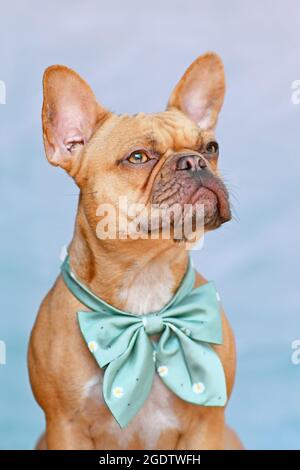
(153, 323)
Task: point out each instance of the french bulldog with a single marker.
(165, 158)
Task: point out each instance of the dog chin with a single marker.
(215, 207)
(215, 202)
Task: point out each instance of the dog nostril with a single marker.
(185, 163)
(191, 162)
(202, 163)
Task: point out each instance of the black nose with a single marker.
(191, 162)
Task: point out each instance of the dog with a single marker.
(169, 157)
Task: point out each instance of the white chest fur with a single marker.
(154, 418)
(142, 293)
(147, 290)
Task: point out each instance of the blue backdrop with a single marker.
(133, 53)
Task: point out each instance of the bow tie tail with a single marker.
(191, 369)
(128, 379)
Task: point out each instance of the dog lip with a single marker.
(221, 195)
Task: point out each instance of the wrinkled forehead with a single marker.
(168, 130)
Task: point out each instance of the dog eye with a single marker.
(212, 147)
(138, 156)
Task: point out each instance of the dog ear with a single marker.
(70, 114)
(200, 92)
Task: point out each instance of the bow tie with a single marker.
(183, 358)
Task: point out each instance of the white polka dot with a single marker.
(162, 371)
(93, 346)
(198, 387)
(187, 331)
(218, 297)
(118, 392)
(154, 356)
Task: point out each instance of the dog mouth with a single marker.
(206, 194)
(213, 195)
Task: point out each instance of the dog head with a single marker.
(158, 161)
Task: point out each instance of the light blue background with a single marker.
(133, 53)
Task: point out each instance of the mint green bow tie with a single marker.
(182, 357)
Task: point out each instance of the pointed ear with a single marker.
(200, 92)
(70, 114)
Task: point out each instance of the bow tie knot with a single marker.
(153, 323)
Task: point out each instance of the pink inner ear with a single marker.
(71, 125)
(200, 92)
(70, 112)
(195, 106)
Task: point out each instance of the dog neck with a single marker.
(138, 276)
